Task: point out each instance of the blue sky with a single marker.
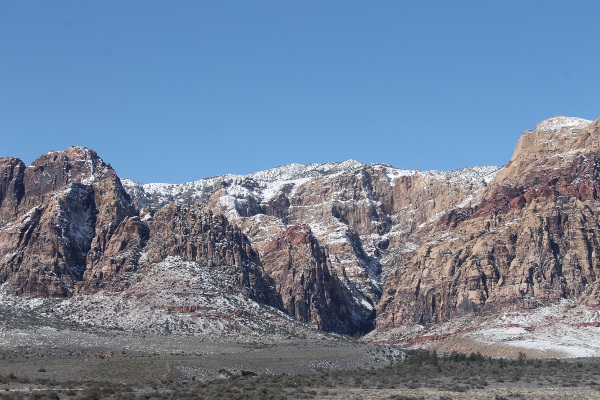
(173, 91)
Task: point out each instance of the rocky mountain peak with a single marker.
(531, 241)
(74, 165)
(58, 216)
(560, 123)
(22, 188)
(556, 143)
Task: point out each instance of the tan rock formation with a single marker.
(58, 213)
(360, 215)
(531, 241)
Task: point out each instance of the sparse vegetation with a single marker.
(414, 374)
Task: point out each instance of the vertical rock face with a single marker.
(339, 246)
(361, 216)
(309, 287)
(11, 187)
(55, 212)
(44, 254)
(110, 262)
(192, 234)
(532, 239)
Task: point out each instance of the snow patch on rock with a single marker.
(560, 122)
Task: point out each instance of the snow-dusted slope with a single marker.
(366, 240)
(267, 183)
(362, 214)
(561, 122)
(180, 296)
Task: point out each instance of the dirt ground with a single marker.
(41, 360)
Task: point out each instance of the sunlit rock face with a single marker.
(530, 241)
(58, 216)
(343, 247)
(356, 220)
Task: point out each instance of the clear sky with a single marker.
(173, 91)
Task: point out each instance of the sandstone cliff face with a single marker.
(531, 240)
(58, 215)
(338, 246)
(69, 227)
(360, 215)
(309, 287)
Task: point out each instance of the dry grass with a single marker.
(417, 375)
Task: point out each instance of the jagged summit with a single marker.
(74, 164)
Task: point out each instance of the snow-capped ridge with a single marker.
(561, 122)
(298, 171)
(485, 173)
(295, 171)
(265, 185)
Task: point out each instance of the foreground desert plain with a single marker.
(43, 357)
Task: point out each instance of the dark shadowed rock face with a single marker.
(309, 287)
(11, 187)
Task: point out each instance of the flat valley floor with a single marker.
(46, 358)
(142, 366)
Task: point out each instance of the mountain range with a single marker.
(351, 248)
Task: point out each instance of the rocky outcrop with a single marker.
(11, 188)
(59, 215)
(531, 240)
(110, 263)
(309, 287)
(69, 227)
(193, 234)
(360, 215)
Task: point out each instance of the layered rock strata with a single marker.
(58, 217)
(339, 246)
(360, 215)
(531, 241)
